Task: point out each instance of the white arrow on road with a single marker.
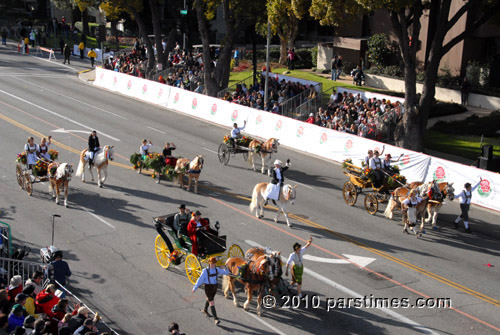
(62, 130)
(358, 260)
(351, 259)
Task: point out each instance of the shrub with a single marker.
(379, 52)
(473, 125)
(444, 108)
(304, 58)
(314, 56)
(348, 67)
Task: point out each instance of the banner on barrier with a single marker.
(303, 136)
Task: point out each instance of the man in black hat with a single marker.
(465, 198)
(298, 267)
(61, 269)
(181, 221)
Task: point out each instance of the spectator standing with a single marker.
(15, 287)
(46, 299)
(26, 44)
(5, 304)
(60, 268)
(92, 55)
(88, 326)
(465, 90)
(62, 45)
(334, 69)
(29, 291)
(77, 320)
(67, 54)
(236, 57)
(4, 37)
(16, 317)
(296, 258)
(81, 47)
(83, 39)
(36, 281)
(340, 65)
(32, 38)
(29, 325)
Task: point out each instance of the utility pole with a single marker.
(184, 30)
(266, 93)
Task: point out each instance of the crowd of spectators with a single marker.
(29, 308)
(371, 118)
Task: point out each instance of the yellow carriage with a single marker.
(211, 246)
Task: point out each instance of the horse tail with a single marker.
(225, 283)
(390, 206)
(80, 168)
(250, 156)
(255, 198)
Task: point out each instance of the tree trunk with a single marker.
(169, 46)
(208, 73)
(160, 55)
(114, 32)
(283, 50)
(144, 34)
(85, 22)
(254, 56)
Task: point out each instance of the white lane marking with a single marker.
(59, 115)
(156, 130)
(57, 63)
(98, 218)
(33, 75)
(62, 130)
(71, 98)
(296, 182)
(418, 327)
(215, 152)
(351, 259)
(274, 329)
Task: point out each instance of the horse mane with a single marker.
(61, 171)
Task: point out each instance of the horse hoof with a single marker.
(100, 186)
(290, 225)
(276, 220)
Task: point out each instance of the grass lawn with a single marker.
(459, 145)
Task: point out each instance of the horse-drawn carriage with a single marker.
(210, 244)
(238, 146)
(37, 174)
(364, 178)
(161, 166)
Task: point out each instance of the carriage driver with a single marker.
(181, 221)
(376, 166)
(144, 148)
(298, 267)
(94, 146)
(236, 132)
(209, 277)
(44, 148)
(32, 150)
(410, 204)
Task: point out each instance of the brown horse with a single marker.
(266, 150)
(252, 274)
(59, 179)
(101, 158)
(191, 169)
(420, 212)
(287, 197)
(275, 265)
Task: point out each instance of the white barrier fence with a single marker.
(323, 142)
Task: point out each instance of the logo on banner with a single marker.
(160, 93)
(194, 104)
(348, 145)
(406, 159)
(176, 98)
(129, 84)
(234, 116)
(440, 174)
(144, 89)
(102, 75)
(213, 111)
(279, 124)
(115, 80)
(300, 131)
(324, 138)
(484, 188)
(258, 120)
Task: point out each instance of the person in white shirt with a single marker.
(32, 151)
(209, 277)
(236, 132)
(144, 148)
(44, 148)
(410, 204)
(298, 266)
(465, 197)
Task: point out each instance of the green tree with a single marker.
(405, 20)
(84, 5)
(114, 11)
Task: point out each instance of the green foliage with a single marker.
(379, 52)
(446, 79)
(304, 58)
(314, 55)
(348, 67)
(473, 125)
(444, 108)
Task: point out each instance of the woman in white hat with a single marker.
(274, 188)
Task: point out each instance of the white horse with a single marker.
(267, 148)
(101, 158)
(60, 180)
(287, 197)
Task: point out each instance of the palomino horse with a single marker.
(191, 169)
(101, 158)
(275, 266)
(60, 180)
(252, 274)
(287, 196)
(266, 150)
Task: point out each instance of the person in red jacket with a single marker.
(47, 299)
(196, 224)
(15, 287)
(311, 118)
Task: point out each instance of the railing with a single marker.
(289, 107)
(5, 240)
(247, 81)
(12, 267)
(310, 106)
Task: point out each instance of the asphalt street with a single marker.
(108, 236)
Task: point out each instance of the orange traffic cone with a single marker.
(18, 47)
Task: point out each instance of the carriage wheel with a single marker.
(350, 193)
(28, 185)
(193, 268)
(235, 251)
(245, 155)
(19, 175)
(371, 203)
(162, 252)
(224, 153)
